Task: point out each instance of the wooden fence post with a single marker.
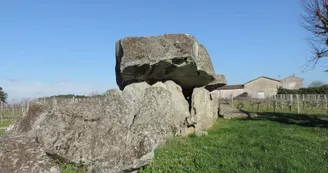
(290, 102)
(22, 108)
(13, 110)
(28, 105)
(232, 101)
(303, 101)
(274, 103)
(298, 104)
(318, 98)
(326, 102)
(268, 104)
(281, 102)
(1, 110)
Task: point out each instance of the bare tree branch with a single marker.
(315, 20)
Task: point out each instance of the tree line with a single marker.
(311, 90)
(4, 96)
(66, 96)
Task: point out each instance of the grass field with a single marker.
(269, 143)
(8, 119)
(2, 131)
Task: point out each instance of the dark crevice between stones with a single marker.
(179, 61)
(133, 120)
(213, 87)
(119, 55)
(187, 93)
(182, 70)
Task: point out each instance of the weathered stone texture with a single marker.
(114, 135)
(177, 57)
(24, 155)
(219, 81)
(202, 113)
(121, 132)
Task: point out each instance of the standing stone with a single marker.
(177, 57)
(202, 113)
(180, 107)
(151, 126)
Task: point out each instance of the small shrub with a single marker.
(70, 167)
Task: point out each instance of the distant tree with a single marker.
(315, 20)
(311, 90)
(316, 84)
(3, 95)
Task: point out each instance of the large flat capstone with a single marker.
(176, 57)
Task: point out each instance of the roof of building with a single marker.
(228, 87)
(241, 86)
(293, 76)
(263, 77)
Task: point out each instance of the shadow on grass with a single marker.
(316, 120)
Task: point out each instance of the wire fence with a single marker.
(10, 112)
(309, 103)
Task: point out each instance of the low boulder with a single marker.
(226, 111)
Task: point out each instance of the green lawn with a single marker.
(269, 143)
(6, 123)
(8, 119)
(2, 131)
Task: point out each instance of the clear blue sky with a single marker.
(60, 46)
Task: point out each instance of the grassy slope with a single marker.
(2, 131)
(264, 145)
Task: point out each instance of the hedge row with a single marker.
(313, 90)
(66, 96)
